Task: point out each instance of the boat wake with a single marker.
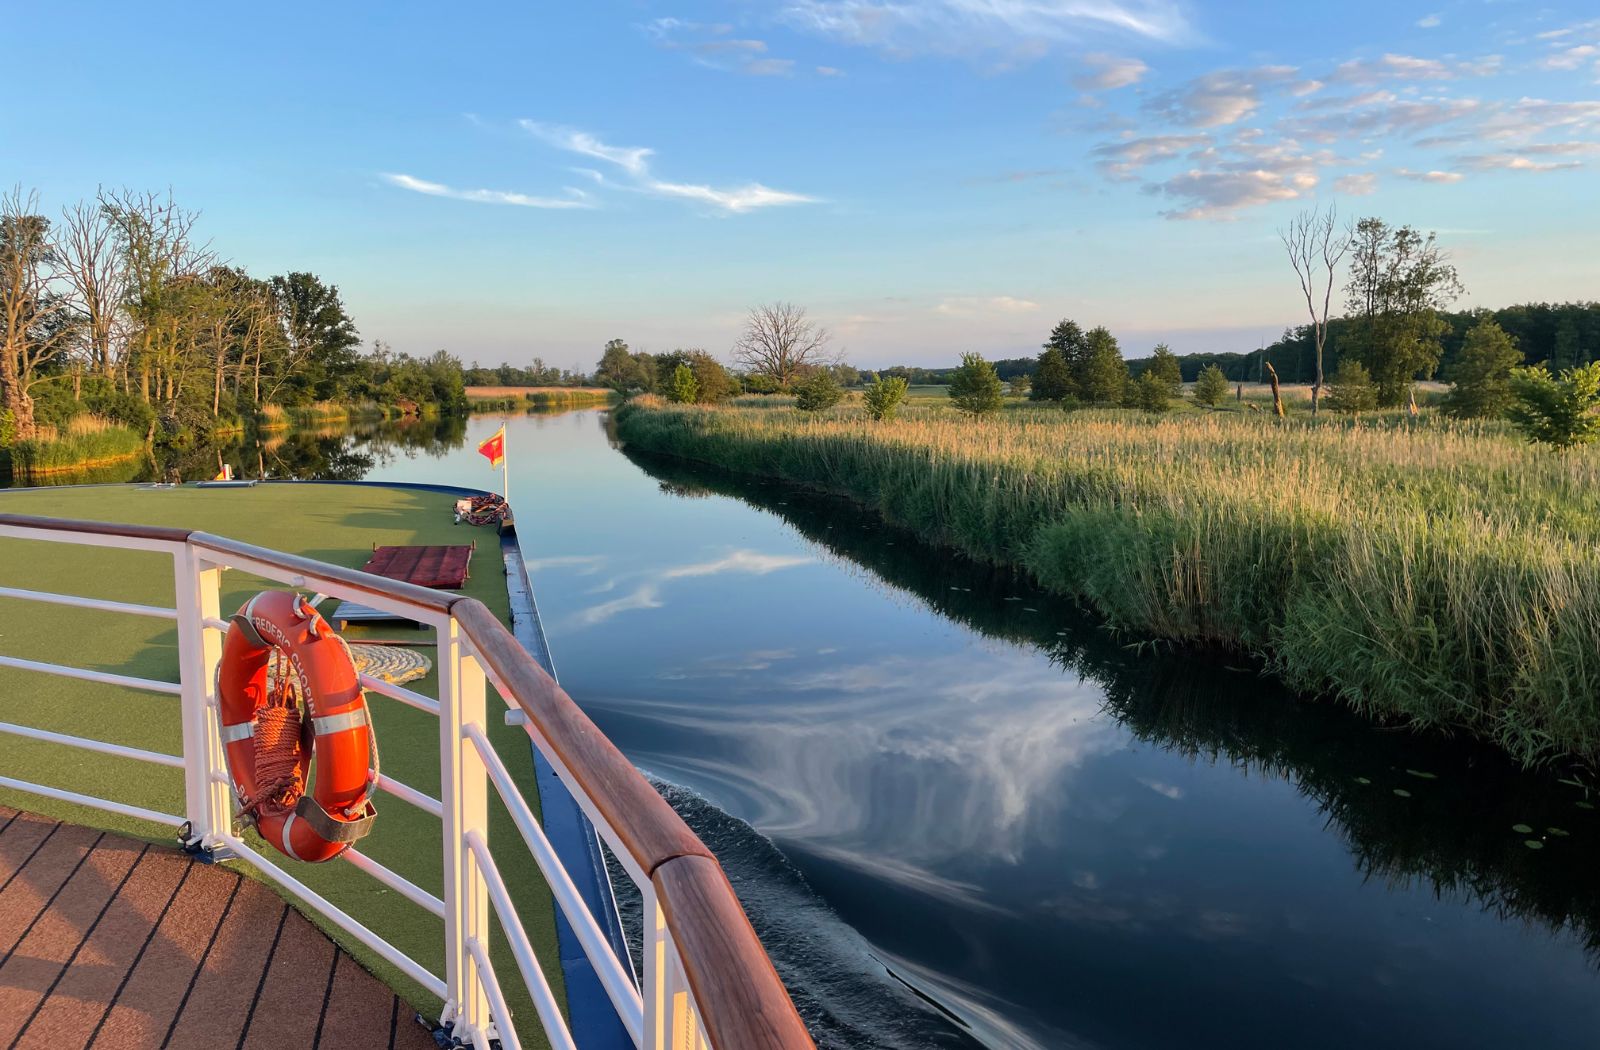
(850, 997)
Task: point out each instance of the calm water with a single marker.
(961, 814)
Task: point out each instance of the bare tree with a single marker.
(92, 262)
(36, 320)
(1316, 245)
(779, 340)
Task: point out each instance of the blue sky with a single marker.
(926, 177)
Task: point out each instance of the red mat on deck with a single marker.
(442, 567)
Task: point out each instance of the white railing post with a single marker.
(671, 1017)
(463, 790)
(207, 797)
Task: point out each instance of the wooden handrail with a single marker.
(649, 829)
(741, 999)
(355, 579)
(160, 533)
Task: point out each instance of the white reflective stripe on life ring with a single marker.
(242, 731)
(339, 723)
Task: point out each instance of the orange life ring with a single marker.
(278, 654)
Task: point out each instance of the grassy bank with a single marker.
(1445, 574)
(516, 398)
(85, 443)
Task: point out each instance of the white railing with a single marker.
(706, 980)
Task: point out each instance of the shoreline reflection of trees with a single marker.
(1452, 830)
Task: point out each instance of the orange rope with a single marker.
(278, 743)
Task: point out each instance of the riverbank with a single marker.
(1444, 575)
(517, 398)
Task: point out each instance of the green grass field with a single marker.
(1446, 574)
(336, 524)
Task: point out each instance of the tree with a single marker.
(1352, 389)
(1067, 339)
(1052, 380)
(975, 386)
(1399, 282)
(33, 312)
(321, 336)
(781, 341)
(883, 396)
(713, 382)
(1018, 385)
(1152, 392)
(1316, 246)
(1104, 375)
(92, 262)
(1211, 389)
(1482, 374)
(619, 369)
(758, 383)
(684, 389)
(1164, 364)
(1558, 411)
(817, 392)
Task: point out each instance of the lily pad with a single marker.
(1522, 829)
(1424, 776)
(1534, 844)
(1402, 792)
(1362, 780)
(1559, 833)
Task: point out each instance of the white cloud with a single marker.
(1020, 27)
(1569, 58)
(1429, 22)
(752, 563)
(1108, 72)
(1391, 67)
(978, 306)
(1125, 159)
(1222, 194)
(1216, 99)
(635, 161)
(1514, 162)
(713, 46)
(576, 198)
(1360, 184)
(1441, 177)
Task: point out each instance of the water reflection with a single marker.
(1023, 817)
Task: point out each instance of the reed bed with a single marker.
(512, 398)
(87, 441)
(1446, 574)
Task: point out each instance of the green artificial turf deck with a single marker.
(333, 523)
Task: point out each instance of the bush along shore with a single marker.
(1444, 574)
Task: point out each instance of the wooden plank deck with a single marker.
(113, 943)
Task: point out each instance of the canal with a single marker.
(961, 813)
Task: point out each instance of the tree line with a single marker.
(117, 307)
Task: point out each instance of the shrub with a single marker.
(1351, 389)
(1152, 391)
(1211, 389)
(759, 383)
(883, 396)
(818, 392)
(1019, 385)
(1482, 373)
(975, 386)
(1559, 411)
(685, 388)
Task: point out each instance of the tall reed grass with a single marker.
(1446, 574)
(86, 441)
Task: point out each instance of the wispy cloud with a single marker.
(1439, 177)
(979, 306)
(1219, 98)
(1020, 28)
(646, 593)
(635, 162)
(1357, 184)
(1515, 161)
(1222, 194)
(714, 46)
(1104, 72)
(1429, 22)
(575, 199)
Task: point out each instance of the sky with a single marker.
(926, 177)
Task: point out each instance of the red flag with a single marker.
(494, 447)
